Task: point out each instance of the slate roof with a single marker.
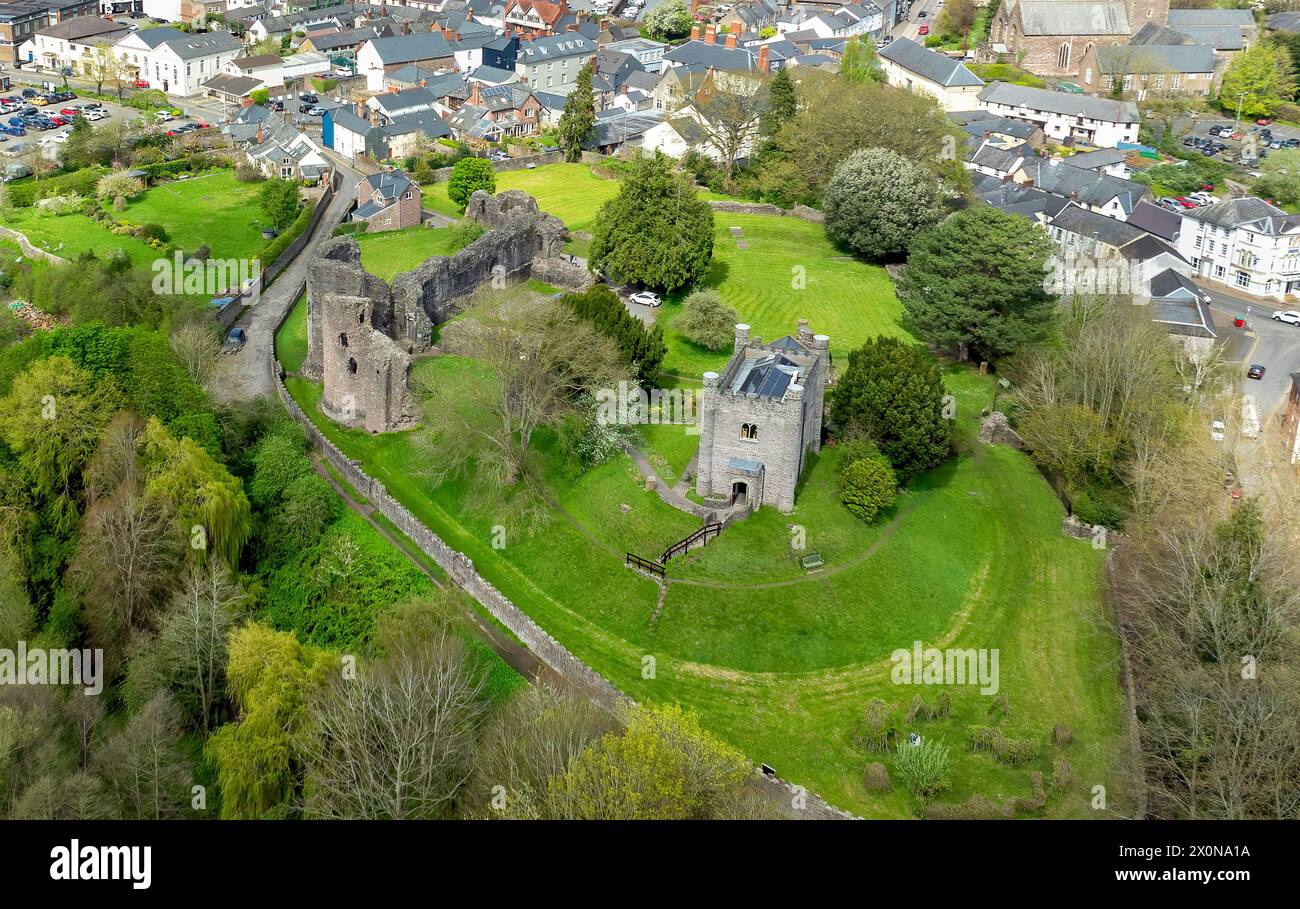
(1045, 99)
(1157, 221)
(1250, 213)
(555, 47)
(1238, 18)
(232, 85)
(1102, 157)
(1084, 222)
(1092, 187)
(1284, 22)
(1217, 37)
(392, 103)
(411, 48)
(927, 64)
(389, 183)
(188, 46)
(1074, 17)
(1180, 58)
(702, 55)
(493, 75)
(257, 62)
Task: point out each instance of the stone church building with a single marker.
(761, 417)
(1051, 37)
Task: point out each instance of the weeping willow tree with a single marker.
(209, 502)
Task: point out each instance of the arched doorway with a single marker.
(739, 493)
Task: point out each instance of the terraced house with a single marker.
(1065, 118)
(908, 65)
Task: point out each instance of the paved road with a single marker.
(250, 374)
(909, 27)
(1276, 345)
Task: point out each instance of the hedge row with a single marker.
(196, 162)
(277, 246)
(81, 182)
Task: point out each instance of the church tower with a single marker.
(1140, 12)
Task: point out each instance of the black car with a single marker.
(1291, 143)
(308, 97)
(30, 93)
(275, 105)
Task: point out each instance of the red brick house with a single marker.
(388, 201)
(534, 18)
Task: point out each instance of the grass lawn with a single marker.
(569, 191)
(789, 271)
(387, 253)
(215, 209)
(70, 235)
(781, 663)
(291, 342)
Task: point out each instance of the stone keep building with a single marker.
(761, 417)
(362, 333)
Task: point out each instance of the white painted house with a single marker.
(1065, 118)
(910, 66)
(1247, 244)
(174, 61)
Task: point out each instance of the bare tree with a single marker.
(144, 765)
(536, 362)
(198, 346)
(398, 740)
(194, 635)
(730, 109)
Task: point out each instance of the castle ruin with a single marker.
(761, 417)
(362, 333)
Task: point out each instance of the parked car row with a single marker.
(1183, 203)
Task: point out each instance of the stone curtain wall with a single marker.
(802, 212)
(459, 567)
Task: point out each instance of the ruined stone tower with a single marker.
(362, 333)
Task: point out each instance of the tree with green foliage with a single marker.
(1279, 178)
(877, 201)
(656, 231)
(577, 124)
(708, 321)
(664, 766)
(783, 102)
(1257, 80)
(976, 283)
(279, 200)
(642, 348)
(868, 486)
(924, 768)
(860, 63)
(669, 20)
(892, 394)
(270, 674)
(469, 175)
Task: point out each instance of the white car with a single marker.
(1201, 198)
(94, 114)
(1290, 317)
(646, 298)
(1218, 430)
(165, 115)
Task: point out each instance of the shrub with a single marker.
(1039, 800)
(877, 777)
(79, 182)
(878, 200)
(152, 231)
(976, 808)
(464, 233)
(868, 486)
(708, 321)
(118, 185)
(879, 725)
(923, 768)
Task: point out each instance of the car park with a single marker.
(646, 298)
(1289, 316)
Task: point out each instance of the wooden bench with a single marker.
(811, 561)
